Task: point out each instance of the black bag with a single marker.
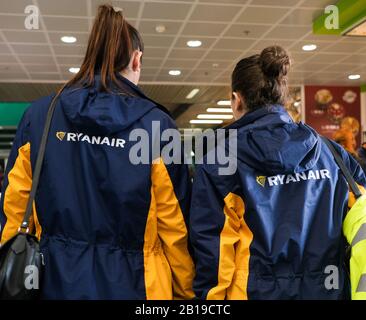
(21, 262)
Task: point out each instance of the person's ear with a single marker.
(237, 105)
(136, 61)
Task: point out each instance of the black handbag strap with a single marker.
(38, 167)
(351, 182)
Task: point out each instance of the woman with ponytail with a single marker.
(109, 227)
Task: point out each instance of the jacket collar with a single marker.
(133, 89)
(252, 116)
(136, 90)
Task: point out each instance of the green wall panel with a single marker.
(12, 112)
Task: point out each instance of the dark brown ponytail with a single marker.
(262, 79)
(110, 46)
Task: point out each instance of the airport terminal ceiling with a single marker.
(269, 215)
(190, 44)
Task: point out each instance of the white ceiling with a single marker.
(40, 56)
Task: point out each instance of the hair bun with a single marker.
(275, 62)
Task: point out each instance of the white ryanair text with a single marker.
(291, 178)
(113, 142)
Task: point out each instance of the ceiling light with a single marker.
(160, 28)
(192, 94)
(215, 116)
(220, 110)
(206, 121)
(194, 43)
(117, 9)
(68, 39)
(74, 70)
(354, 76)
(297, 103)
(175, 72)
(224, 103)
(309, 47)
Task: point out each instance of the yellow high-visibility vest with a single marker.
(354, 229)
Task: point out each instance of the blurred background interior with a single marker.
(192, 47)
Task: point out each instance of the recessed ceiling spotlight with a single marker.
(68, 39)
(160, 28)
(354, 76)
(309, 47)
(224, 103)
(74, 70)
(215, 65)
(117, 9)
(175, 72)
(194, 43)
(192, 94)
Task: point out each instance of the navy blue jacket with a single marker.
(108, 229)
(270, 230)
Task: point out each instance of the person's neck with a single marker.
(241, 115)
(129, 76)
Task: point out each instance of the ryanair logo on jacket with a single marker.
(280, 180)
(81, 137)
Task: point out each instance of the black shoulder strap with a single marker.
(38, 167)
(351, 182)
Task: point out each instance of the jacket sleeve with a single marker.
(220, 239)
(171, 187)
(17, 184)
(354, 229)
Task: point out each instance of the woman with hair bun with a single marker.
(272, 229)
